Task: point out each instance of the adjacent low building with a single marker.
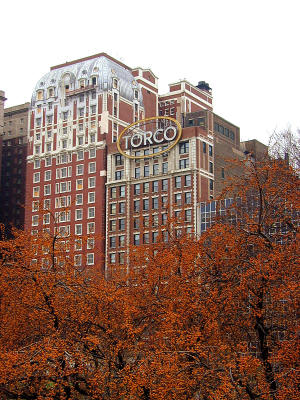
(13, 171)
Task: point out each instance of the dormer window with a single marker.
(94, 80)
(40, 95)
(50, 92)
(81, 83)
(115, 83)
(67, 87)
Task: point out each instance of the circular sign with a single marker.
(161, 133)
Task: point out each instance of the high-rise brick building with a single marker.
(76, 174)
(13, 174)
(2, 101)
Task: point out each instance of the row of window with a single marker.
(179, 181)
(63, 187)
(65, 230)
(64, 201)
(81, 112)
(64, 158)
(65, 172)
(224, 131)
(167, 111)
(138, 205)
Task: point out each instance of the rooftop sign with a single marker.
(149, 132)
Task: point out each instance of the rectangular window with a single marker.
(164, 185)
(136, 205)
(47, 190)
(48, 161)
(146, 187)
(178, 198)
(177, 182)
(136, 239)
(222, 173)
(79, 199)
(137, 189)
(119, 159)
(36, 177)
(146, 238)
(91, 212)
(210, 150)
(112, 258)
(119, 175)
(92, 153)
(35, 220)
(79, 169)
(122, 224)
(122, 191)
(112, 242)
(154, 237)
(113, 225)
(93, 109)
(122, 207)
(137, 172)
(122, 240)
(136, 223)
(188, 197)
(188, 215)
(183, 147)
(78, 214)
(155, 186)
(36, 191)
(80, 155)
(187, 180)
(90, 227)
(211, 167)
(183, 163)
(113, 192)
(165, 167)
(164, 219)
(92, 182)
(47, 176)
(113, 208)
(164, 201)
(155, 203)
(81, 112)
(92, 167)
(146, 204)
(91, 197)
(204, 147)
(146, 170)
(47, 204)
(79, 184)
(78, 229)
(211, 184)
(37, 164)
(155, 169)
(90, 259)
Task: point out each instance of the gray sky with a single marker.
(248, 51)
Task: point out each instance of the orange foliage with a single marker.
(207, 318)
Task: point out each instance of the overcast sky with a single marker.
(248, 51)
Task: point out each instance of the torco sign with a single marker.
(149, 132)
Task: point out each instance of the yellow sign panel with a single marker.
(143, 138)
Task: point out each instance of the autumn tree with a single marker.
(210, 317)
